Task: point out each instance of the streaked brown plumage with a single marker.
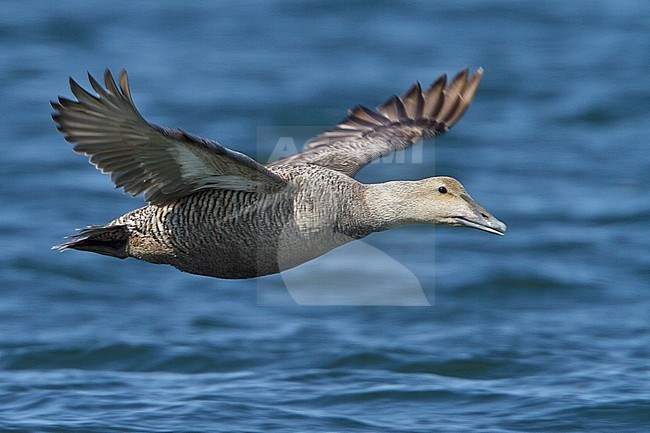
(216, 212)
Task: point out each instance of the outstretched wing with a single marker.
(142, 157)
(365, 135)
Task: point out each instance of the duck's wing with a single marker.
(365, 135)
(141, 157)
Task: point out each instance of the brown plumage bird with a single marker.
(213, 211)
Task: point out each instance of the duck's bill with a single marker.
(495, 226)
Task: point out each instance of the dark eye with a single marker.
(442, 190)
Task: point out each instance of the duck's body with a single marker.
(240, 234)
(218, 213)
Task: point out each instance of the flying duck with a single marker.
(217, 212)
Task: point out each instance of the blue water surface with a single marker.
(546, 329)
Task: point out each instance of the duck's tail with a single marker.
(106, 240)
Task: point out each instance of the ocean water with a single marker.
(544, 330)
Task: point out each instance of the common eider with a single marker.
(213, 211)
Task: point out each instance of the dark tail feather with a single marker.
(109, 240)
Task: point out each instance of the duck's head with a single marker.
(436, 200)
(443, 200)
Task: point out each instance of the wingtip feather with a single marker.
(124, 85)
(109, 83)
